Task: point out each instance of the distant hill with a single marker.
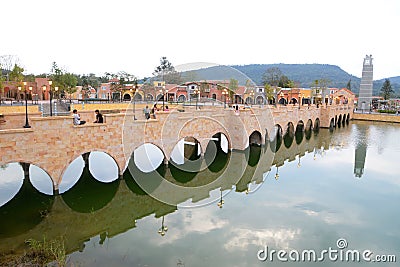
(305, 74)
(302, 74)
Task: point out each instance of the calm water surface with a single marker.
(344, 184)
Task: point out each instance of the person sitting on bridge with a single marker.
(99, 117)
(153, 111)
(146, 112)
(77, 118)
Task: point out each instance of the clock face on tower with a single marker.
(367, 62)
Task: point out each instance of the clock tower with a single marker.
(365, 95)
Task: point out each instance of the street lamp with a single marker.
(163, 229)
(162, 91)
(56, 89)
(26, 107)
(277, 173)
(30, 92)
(134, 108)
(196, 92)
(51, 98)
(224, 93)
(220, 202)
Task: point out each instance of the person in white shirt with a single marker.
(77, 118)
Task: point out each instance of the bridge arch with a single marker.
(300, 126)
(339, 121)
(289, 135)
(255, 138)
(332, 124)
(120, 164)
(149, 97)
(317, 124)
(276, 138)
(309, 125)
(209, 127)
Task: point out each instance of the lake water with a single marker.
(335, 190)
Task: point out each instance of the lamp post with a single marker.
(196, 92)
(163, 229)
(277, 173)
(162, 91)
(30, 92)
(134, 107)
(26, 107)
(56, 94)
(224, 93)
(51, 98)
(221, 202)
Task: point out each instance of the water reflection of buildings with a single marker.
(360, 149)
(93, 208)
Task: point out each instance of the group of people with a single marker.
(151, 113)
(78, 121)
(148, 113)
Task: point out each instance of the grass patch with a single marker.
(39, 253)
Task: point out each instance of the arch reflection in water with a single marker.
(186, 159)
(216, 154)
(12, 177)
(103, 167)
(27, 208)
(40, 180)
(89, 194)
(72, 174)
(148, 157)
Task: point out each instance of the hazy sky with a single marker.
(109, 36)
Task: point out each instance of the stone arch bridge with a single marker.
(53, 142)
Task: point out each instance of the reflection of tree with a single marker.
(4, 166)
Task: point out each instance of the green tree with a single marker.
(272, 76)
(269, 92)
(166, 72)
(70, 81)
(233, 86)
(203, 87)
(348, 85)
(16, 74)
(2, 79)
(124, 78)
(285, 82)
(386, 89)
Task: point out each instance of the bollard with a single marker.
(41, 109)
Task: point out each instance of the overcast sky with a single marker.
(109, 36)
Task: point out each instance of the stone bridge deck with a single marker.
(54, 142)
